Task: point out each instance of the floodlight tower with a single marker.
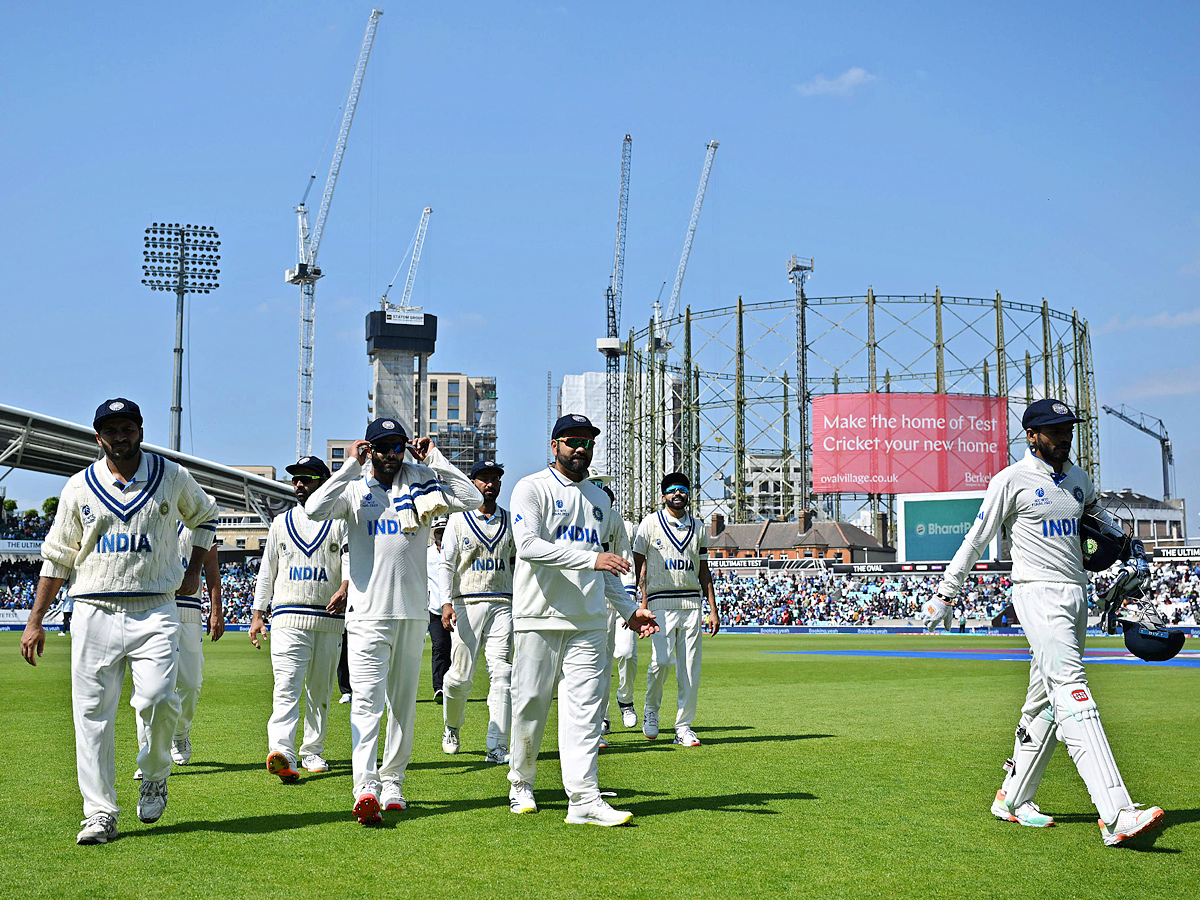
(183, 259)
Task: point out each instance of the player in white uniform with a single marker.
(475, 572)
(302, 580)
(190, 675)
(114, 537)
(617, 640)
(670, 554)
(388, 518)
(1040, 500)
(560, 621)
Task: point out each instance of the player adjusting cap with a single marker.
(486, 465)
(309, 465)
(117, 408)
(673, 478)
(386, 429)
(1048, 412)
(570, 422)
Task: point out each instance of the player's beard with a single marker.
(677, 502)
(121, 451)
(574, 461)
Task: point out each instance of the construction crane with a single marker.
(418, 243)
(711, 152)
(307, 271)
(1156, 429)
(610, 345)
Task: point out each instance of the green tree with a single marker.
(49, 507)
(10, 506)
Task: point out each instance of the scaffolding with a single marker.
(729, 404)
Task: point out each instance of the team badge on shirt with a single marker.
(466, 543)
(333, 547)
(1078, 492)
(598, 513)
(164, 507)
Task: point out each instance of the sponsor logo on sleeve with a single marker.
(1081, 696)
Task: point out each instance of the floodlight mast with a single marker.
(307, 271)
(183, 259)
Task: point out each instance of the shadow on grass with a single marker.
(752, 803)
(664, 741)
(1146, 845)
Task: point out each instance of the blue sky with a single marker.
(1039, 151)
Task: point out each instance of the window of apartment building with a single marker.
(338, 453)
(241, 543)
(262, 543)
(336, 466)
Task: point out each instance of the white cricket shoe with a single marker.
(314, 762)
(391, 798)
(344, 699)
(1130, 822)
(686, 737)
(97, 829)
(598, 812)
(520, 799)
(603, 745)
(1027, 813)
(450, 740)
(497, 755)
(137, 774)
(628, 715)
(650, 723)
(605, 726)
(181, 750)
(152, 800)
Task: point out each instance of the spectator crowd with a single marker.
(766, 597)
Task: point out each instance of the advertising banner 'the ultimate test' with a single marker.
(907, 443)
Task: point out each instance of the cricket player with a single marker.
(563, 576)
(475, 571)
(1040, 500)
(439, 610)
(302, 580)
(190, 675)
(114, 537)
(670, 554)
(388, 517)
(617, 642)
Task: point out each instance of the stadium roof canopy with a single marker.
(39, 443)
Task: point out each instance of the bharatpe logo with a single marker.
(936, 528)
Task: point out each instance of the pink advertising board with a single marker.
(907, 443)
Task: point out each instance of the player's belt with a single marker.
(305, 611)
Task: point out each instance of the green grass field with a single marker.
(820, 776)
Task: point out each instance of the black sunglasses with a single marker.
(306, 478)
(385, 449)
(576, 443)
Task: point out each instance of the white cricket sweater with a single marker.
(623, 546)
(1041, 511)
(118, 542)
(674, 549)
(388, 568)
(302, 568)
(189, 607)
(560, 526)
(476, 562)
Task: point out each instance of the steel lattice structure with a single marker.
(728, 401)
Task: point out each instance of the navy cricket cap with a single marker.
(486, 465)
(570, 422)
(1048, 412)
(675, 478)
(307, 464)
(117, 408)
(384, 429)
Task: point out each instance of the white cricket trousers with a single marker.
(303, 661)
(384, 656)
(487, 627)
(188, 678)
(1054, 618)
(678, 637)
(576, 659)
(625, 652)
(102, 642)
(191, 674)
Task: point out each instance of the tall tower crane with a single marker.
(417, 245)
(307, 271)
(1156, 429)
(711, 152)
(610, 344)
